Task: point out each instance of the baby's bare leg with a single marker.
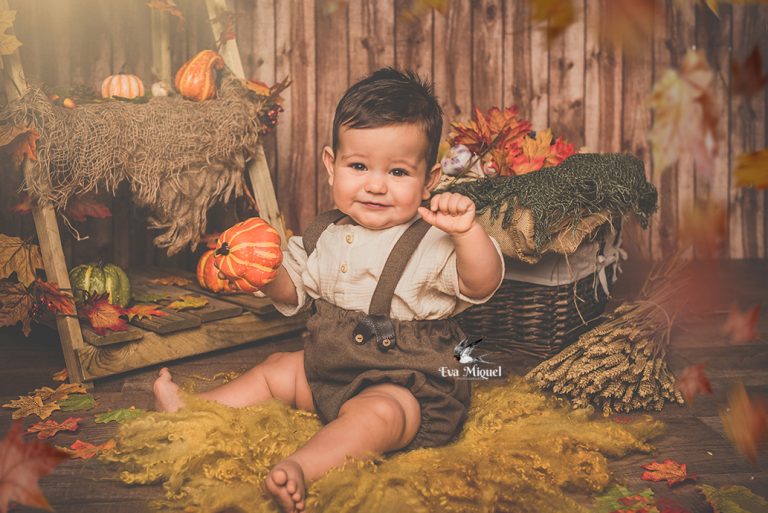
(280, 376)
(380, 419)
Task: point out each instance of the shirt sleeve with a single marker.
(294, 262)
(448, 282)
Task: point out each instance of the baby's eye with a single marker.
(357, 166)
(399, 172)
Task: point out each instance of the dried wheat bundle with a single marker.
(621, 364)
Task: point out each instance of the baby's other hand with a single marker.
(452, 212)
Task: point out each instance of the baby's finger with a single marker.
(454, 207)
(443, 202)
(434, 202)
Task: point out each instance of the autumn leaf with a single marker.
(685, 115)
(27, 405)
(211, 240)
(102, 315)
(83, 207)
(24, 206)
(705, 227)
(121, 415)
(620, 498)
(413, 10)
(752, 170)
(8, 42)
(49, 428)
(670, 471)
(144, 311)
(55, 300)
(630, 25)
(15, 305)
(62, 375)
(189, 302)
(747, 77)
(692, 382)
(733, 498)
(61, 392)
(171, 280)
(539, 152)
(555, 16)
(86, 450)
(19, 142)
(741, 326)
(78, 402)
(19, 257)
(746, 421)
(150, 297)
(171, 8)
(21, 465)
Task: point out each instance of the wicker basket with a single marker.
(539, 309)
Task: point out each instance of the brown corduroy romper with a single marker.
(348, 351)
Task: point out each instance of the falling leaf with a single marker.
(619, 498)
(188, 302)
(150, 297)
(20, 257)
(705, 227)
(15, 305)
(54, 300)
(86, 450)
(692, 382)
(83, 207)
(121, 415)
(61, 392)
(171, 8)
(171, 280)
(49, 428)
(746, 421)
(752, 170)
(62, 375)
(685, 115)
(8, 42)
(733, 498)
(21, 465)
(144, 311)
(78, 402)
(19, 142)
(741, 326)
(102, 315)
(670, 471)
(31, 405)
(630, 26)
(747, 77)
(555, 16)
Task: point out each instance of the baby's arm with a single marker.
(281, 289)
(477, 261)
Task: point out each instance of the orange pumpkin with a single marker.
(196, 78)
(208, 275)
(249, 253)
(122, 85)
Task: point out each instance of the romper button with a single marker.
(343, 268)
(349, 238)
(359, 338)
(386, 342)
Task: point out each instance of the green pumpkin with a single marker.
(97, 279)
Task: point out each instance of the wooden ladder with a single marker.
(79, 356)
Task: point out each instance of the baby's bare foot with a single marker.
(286, 483)
(166, 392)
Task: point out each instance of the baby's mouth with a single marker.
(371, 204)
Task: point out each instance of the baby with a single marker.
(382, 274)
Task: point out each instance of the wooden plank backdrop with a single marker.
(479, 52)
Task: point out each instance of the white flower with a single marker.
(457, 160)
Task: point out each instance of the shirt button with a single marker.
(349, 238)
(344, 268)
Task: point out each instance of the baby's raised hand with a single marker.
(452, 212)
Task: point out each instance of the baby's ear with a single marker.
(433, 180)
(328, 160)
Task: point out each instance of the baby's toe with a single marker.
(279, 476)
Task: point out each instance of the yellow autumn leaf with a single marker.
(8, 42)
(189, 302)
(15, 305)
(685, 115)
(31, 405)
(752, 169)
(20, 257)
(539, 147)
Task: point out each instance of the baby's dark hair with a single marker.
(390, 97)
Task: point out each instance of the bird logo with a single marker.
(463, 351)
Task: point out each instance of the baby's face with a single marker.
(378, 175)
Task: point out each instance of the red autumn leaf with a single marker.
(21, 465)
(144, 310)
(741, 326)
(48, 428)
(746, 421)
(667, 505)
(24, 206)
(54, 299)
(693, 381)
(81, 208)
(15, 305)
(62, 375)
(748, 77)
(19, 142)
(670, 471)
(102, 315)
(86, 450)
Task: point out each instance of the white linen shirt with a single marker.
(348, 260)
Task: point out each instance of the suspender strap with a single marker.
(318, 226)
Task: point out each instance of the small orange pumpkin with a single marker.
(249, 254)
(122, 85)
(196, 78)
(208, 275)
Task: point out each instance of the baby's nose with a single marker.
(376, 182)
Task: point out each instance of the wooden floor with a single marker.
(694, 435)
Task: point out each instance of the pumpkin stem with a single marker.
(224, 249)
